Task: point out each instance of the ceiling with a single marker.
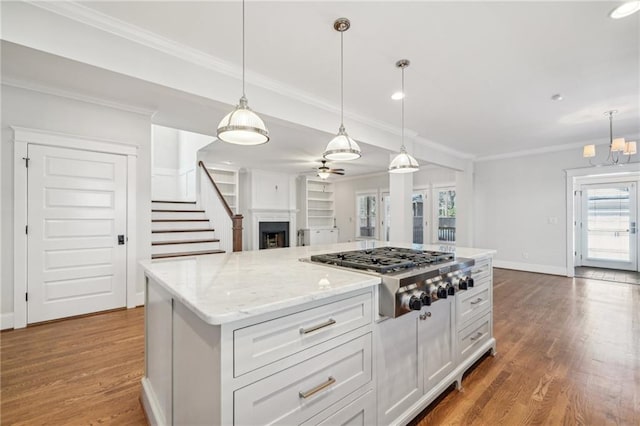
(482, 73)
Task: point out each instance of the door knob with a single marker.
(120, 240)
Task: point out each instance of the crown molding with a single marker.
(117, 27)
(49, 90)
(535, 151)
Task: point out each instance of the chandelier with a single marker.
(618, 147)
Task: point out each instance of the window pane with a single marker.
(366, 215)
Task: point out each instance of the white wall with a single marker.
(47, 112)
(346, 189)
(515, 200)
(174, 163)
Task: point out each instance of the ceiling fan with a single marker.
(324, 171)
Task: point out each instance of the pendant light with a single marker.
(242, 126)
(404, 162)
(618, 147)
(342, 147)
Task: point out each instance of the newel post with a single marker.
(237, 232)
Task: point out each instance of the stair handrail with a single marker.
(236, 219)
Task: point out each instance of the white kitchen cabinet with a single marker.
(399, 367)
(421, 353)
(284, 367)
(315, 203)
(313, 237)
(437, 338)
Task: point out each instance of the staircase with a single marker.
(178, 229)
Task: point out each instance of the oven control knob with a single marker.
(411, 302)
(451, 290)
(442, 293)
(425, 299)
(414, 303)
(470, 282)
(462, 284)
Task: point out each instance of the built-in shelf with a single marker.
(315, 203)
(227, 181)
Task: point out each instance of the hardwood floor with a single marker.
(75, 372)
(568, 353)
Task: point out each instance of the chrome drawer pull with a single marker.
(329, 322)
(478, 300)
(477, 336)
(317, 389)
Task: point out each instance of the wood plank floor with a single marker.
(568, 354)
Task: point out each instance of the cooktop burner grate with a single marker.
(384, 259)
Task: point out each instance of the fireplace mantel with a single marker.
(272, 215)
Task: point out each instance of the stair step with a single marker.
(168, 210)
(185, 247)
(173, 205)
(182, 235)
(164, 243)
(177, 214)
(179, 225)
(191, 253)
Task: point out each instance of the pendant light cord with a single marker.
(243, 90)
(341, 78)
(402, 148)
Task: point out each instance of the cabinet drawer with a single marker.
(360, 412)
(304, 390)
(474, 335)
(261, 344)
(481, 269)
(472, 303)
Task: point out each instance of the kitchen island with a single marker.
(262, 338)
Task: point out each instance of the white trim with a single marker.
(22, 138)
(530, 267)
(65, 140)
(572, 177)
(6, 321)
(55, 91)
(140, 299)
(150, 404)
(19, 235)
(128, 31)
(132, 226)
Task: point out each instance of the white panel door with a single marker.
(76, 211)
(609, 226)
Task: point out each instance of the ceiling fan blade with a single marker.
(336, 173)
(337, 170)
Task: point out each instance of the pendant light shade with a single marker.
(242, 126)
(342, 147)
(403, 162)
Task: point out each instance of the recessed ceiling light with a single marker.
(557, 97)
(625, 9)
(397, 96)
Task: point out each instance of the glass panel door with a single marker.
(445, 210)
(386, 215)
(609, 222)
(420, 209)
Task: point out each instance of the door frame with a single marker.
(581, 248)
(22, 137)
(574, 178)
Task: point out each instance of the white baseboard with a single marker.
(150, 404)
(140, 298)
(531, 267)
(6, 321)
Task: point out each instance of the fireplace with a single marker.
(273, 234)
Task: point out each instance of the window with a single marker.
(446, 214)
(366, 207)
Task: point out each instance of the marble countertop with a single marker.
(222, 288)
